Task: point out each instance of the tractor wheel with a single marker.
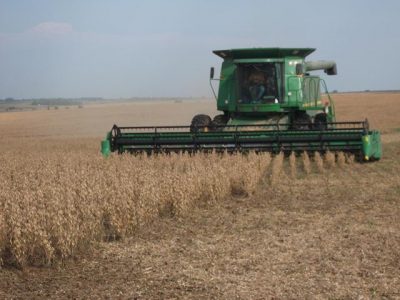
(219, 122)
(320, 121)
(302, 122)
(200, 123)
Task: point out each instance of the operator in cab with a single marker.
(256, 86)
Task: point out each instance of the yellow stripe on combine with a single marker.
(310, 104)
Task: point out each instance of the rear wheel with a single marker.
(200, 123)
(219, 122)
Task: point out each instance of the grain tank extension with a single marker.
(269, 101)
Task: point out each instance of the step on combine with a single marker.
(269, 101)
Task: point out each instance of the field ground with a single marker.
(333, 233)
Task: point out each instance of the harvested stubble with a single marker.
(53, 205)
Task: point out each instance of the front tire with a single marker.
(200, 123)
(320, 121)
(302, 122)
(219, 122)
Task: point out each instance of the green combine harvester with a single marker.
(269, 102)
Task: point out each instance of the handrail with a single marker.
(331, 102)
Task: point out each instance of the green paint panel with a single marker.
(293, 92)
(372, 146)
(105, 148)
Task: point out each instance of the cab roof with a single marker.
(263, 52)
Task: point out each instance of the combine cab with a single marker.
(269, 102)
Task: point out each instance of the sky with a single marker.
(155, 48)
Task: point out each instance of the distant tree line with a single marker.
(51, 101)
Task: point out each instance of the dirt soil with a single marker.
(329, 235)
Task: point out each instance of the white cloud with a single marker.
(52, 28)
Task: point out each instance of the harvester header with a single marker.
(269, 101)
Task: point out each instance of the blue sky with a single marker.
(159, 48)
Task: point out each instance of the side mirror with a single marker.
(299, 69)
(212, 73)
